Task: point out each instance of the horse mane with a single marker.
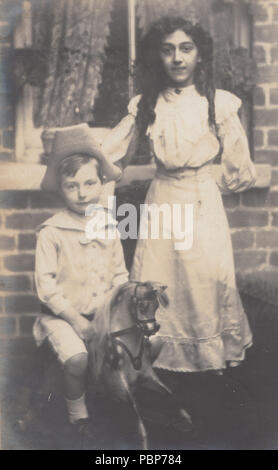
(101, 327)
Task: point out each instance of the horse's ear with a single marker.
(157, 286)
(163, 297)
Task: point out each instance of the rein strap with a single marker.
(137, 360)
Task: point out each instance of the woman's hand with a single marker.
(131, 150)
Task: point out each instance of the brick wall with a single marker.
(253, 215)
(265, 203)
(21, 212)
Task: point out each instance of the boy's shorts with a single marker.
(60, 335)
(65, 341)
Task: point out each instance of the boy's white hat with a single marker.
(74, 140)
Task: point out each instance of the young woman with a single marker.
(188, 124)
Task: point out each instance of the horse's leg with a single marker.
(183, 420)
(141, 426)
(151, 381)
(154, 346)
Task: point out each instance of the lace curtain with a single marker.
(71, 36)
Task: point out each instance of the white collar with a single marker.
(174, 93)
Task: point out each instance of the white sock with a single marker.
(77, 409)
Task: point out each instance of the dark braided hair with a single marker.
(154, 78)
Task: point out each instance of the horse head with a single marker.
(127, 317)
(145, 300)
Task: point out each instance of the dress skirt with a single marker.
(204, 325)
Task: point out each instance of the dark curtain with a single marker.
(234, 69)
(71, 36)
(151, 10)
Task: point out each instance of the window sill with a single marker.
(24, 177)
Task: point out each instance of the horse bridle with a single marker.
(136, 306)
(139, 305)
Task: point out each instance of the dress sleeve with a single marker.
(45, 272)
(237, 171)
(117, 140)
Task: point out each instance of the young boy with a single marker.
(74, 274)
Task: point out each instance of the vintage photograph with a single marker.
(139, 225)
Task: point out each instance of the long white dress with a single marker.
(205, 325)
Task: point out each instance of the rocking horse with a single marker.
(121, 353)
